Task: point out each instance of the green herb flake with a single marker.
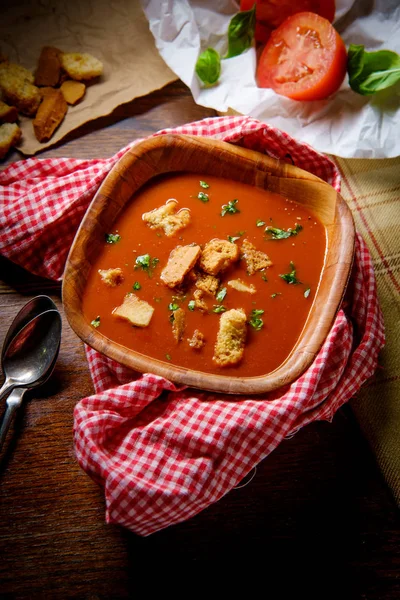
(290, 277)
(203, 196)
(233, 239)
(275, 294)
(168, 357)
(371, 72)
(136, 286)
(146, 263)
(96, 322)
(260, 223)
(255, 320)
(219, 309)
(241, 32)
(112, 238)
(282, 234)
(264, 277)
(230, 208)
(208, 67)
(173, 306)
(221, 294)
(307, 292)
(204, 184)
(191, 305)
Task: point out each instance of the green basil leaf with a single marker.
(208, 66)
(371, 72)
(241, 32)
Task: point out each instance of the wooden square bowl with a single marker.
(179, 153)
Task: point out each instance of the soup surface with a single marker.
(276, 299)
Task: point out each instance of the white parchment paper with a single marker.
(346, 124)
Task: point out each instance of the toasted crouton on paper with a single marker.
(181, 260)
(178, 324)
(231, 337)
(17, 88)
(111, 277)
(81, 66)
(197, 340)
(8, 114)
(136, 311)
(50, 114)
(217, 255)
(168, 218)
(49, 67)
(73, 91)
(255, 259)
(241, 286)
(10, 134)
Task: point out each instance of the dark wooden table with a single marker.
(317, 520)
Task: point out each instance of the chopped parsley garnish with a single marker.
(260, 223)
(191, 305)
(112, 238)
(203, 196)
(146, 263)
(96, 322)
(290, 277)
(219, 309)
(233, 239)
(255, 320)
(136, 286)
(221, 294)
(307, 292)
(229, 208)
(173, 306)
(168, 356)
(275, 294)
(264, 277)
(204, 184)
(282, 234)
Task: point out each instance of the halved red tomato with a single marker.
(304, 59)
(271, 13)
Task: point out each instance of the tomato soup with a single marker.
(276, 299)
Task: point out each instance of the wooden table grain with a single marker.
(316, 519)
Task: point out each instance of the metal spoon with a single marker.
(29, 360)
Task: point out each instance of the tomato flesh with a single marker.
(304, 59)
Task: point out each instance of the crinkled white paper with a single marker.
(346, 124)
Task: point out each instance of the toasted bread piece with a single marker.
(73, 91)
(136, 311)
(207, 283)
(8, 114)
(49, 116)
(231, 337)
(49, 67)
(197, 340)
(180, 261)
(199, 301)
(10, 134)
(217, 255)
(168, 218)
(111, 277)
(81, 67)
(178, 324)
(18, 89)
(242, 286)
(255, 259)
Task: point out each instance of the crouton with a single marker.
(197, 340)
(231, 337)
(199, 301)
(111, 277)
(178, 324)
(241, 286)
(49, 67)
(217, 255)
(181, 260)
(8, 114)
(168, 218)
(255, 259)
(73, 91)
(17, 88)
(207, 283)
(49, 116)
(10, 134)
(81, 67)
(136, 311)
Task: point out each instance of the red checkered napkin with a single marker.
(164, 453)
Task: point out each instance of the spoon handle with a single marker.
(6, 388)
(13, 403)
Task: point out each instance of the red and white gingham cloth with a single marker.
(164, 453)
